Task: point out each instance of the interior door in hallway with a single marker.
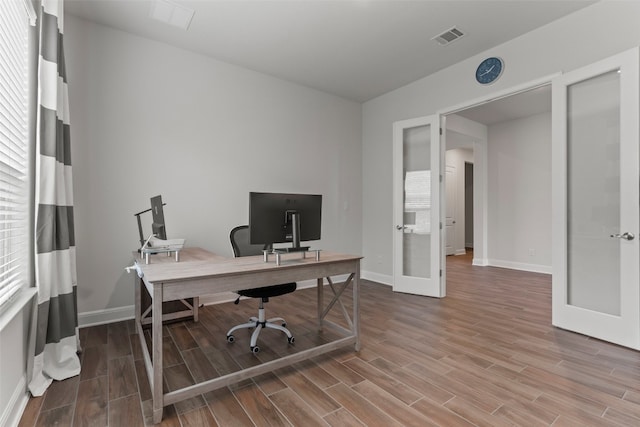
(450, 229)
(416, 206)
(595, 175)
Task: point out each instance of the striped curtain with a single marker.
(56, 341)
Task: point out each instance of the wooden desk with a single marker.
(200, 273)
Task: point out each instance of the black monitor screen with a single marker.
(157, 227)
(270, 217)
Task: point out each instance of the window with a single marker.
(15, 17)
(417, 201)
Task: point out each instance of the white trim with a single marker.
(534, 268)
(11, 415)
(232, 296)
(494, 96)
(109, 315)
(480, 159)
(385, 279)
(218, 298)
(31, 12)
(21, 299)
(480, 262)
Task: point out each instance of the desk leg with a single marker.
(157, 392)
(138, 284)
(320, 301)
(356, 306)
(196, 307)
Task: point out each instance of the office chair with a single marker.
(242, 247)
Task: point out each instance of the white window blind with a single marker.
(417, 200)
(15, 18)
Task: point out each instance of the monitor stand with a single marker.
(278, 253)
(295, 231)
(292, 249)
(295, 244)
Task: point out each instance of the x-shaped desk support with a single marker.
(336, 298)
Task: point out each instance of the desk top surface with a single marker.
(199, 263)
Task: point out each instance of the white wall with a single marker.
(13, 367)
(519, 193)
(593, 33)
(148, 118)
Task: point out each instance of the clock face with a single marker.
(489, 70)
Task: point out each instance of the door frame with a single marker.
(480, 207)
(480, 155)
(481, 160)
(477, 133)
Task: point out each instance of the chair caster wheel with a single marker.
(255, 349)
(231, 338)
(291, 340)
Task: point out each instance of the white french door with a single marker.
(416, 207)
(596, 216)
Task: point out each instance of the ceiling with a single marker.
(356, 49)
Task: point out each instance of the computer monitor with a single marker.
(283, 218)
(157, 226)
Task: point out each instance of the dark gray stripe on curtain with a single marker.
(62, 68)
(51, 42)
(54, 230)
(55, 136)
(57, 319)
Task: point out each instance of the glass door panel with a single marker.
(593, 193)
(416, 235)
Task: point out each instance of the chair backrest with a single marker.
(241, 245)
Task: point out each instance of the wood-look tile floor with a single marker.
(486, 355)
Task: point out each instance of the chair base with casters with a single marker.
(242, 246)
(260, 322)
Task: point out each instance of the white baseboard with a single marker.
(111, 315)
(305, 284)
(534, 268)
(11, 415)
(218, 298)
(231, 296)
(108, 315)
(462, 251)
(377, 277)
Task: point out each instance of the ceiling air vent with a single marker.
(172, 13)
(448, 36)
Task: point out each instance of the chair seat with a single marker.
(269, 291)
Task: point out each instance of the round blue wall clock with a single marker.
(489, 70)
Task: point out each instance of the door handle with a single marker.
(401, 227)
(625, 236)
